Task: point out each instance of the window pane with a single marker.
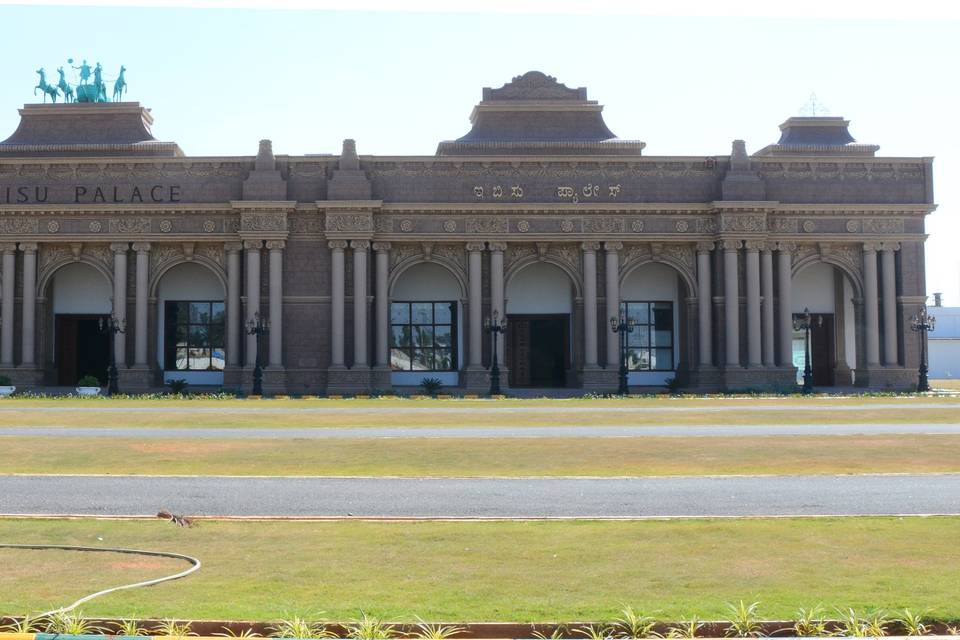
(218, 312)
(217, 359)
(421, 313)
(199, 359)
(399, 313)
(400, 336)
(181, 362)
(422, 336)
(199, 312)
(180, 334)
(663, 316)
(662, 338)
(444, 312)
(640, 336)
(663, 359)
(199, 336)
(637, 311)
(216, 335)
(442, 336)
(422, 359)
(399, 360)
(443, 360)
(634, 359)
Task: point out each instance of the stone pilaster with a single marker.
(767, 315)
(120, 250)
(613, 301)
(704, 296)
(754, 337)
(475, 379)
(232, 372)
(274, 375)
(139, 376)
(889, 276)
(9, 275)
(380, 377)
(731, 302)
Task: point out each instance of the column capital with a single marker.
(731, 245)
(337, 245)
(8, 247)
(252, 244)
(890, 246)
(28, 247)
(359, 245)
(381, 247)
(786, 247)
(753, 246)
(768, 247)
(141, 247)
(590, 247)
(276, 245)
(612, 247)
(119, 247)
(706, 247)
(475, 247)
(232, 247)
(871, 247)
(496, 247)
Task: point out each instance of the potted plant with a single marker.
(6, 388)
(88, 386)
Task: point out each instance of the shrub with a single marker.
(431, 386)
(744, 621)
(177, 385)
(673, 385)
(88, 381)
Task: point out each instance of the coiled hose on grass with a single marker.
(194, 562)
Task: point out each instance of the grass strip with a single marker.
(460, 457)
(521, 571)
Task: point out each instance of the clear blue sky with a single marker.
(219, 80)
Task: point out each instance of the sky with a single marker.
(686, 77)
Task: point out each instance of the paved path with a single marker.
(712, 405)
(473, 498)
(575, 431)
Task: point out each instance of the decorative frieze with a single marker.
(18, 225)
(742, 223)
(263, 221)
(349, 222)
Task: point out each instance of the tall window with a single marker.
(650, 344)
(423, 336)
(193, 339)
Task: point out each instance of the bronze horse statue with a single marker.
(120, 85)
(64, 87)
(48, 90)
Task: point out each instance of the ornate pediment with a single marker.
(534, 85)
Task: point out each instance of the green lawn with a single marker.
(470, 571)
(651, 456)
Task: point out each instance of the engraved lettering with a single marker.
(516, 191)
(98, 195)
(37, 191)
(498, 191)
(153, 193)
(174, 193)
(79, 191)
(478, 191)
(22, 194)
(135, 196)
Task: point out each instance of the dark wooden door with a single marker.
(82, 349)
(518, 350)
(538, 351)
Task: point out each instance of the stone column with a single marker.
(766, 290)
(754, 341)
(29, 329)
(140, 308)
(337, 302)
(475, 302)
(785, 286)
(233, 302)
(7, 303)
(252, 248)
(360, 250)
(276, 301)
(889, 275)
(613, 301)
(731, 302)
(120, 300)
(870, 301)
(382, 293)
(590, 304)
(496, 294)
(704, 301)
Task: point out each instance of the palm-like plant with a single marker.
(228, 632)
(913, 623)
(173, 628)
(685, 629)
(367, 627)
(426, 631)
(65, 623)
(26, 624)
(130, 628)
(297, 627)
(633, 625)
(744, 620)
(810, 623)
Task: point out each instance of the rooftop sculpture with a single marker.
(85, 90)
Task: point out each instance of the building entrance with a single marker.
(823, 360)
(538, 349)
(82, 349)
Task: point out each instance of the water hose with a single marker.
(194, 562)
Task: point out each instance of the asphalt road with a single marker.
(482, 497)
(569, 431)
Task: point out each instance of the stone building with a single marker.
(378, 271)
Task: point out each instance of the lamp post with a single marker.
(622, 326)
(259, 327)
(923, 323)
(112, 326)
(495, 325)
(805, 323)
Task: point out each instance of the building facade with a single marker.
(378, 271)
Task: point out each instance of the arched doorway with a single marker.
(425, 320)
(191, 325)
(652, 296)
(539, 307)
(827, 292)
(81, 298)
